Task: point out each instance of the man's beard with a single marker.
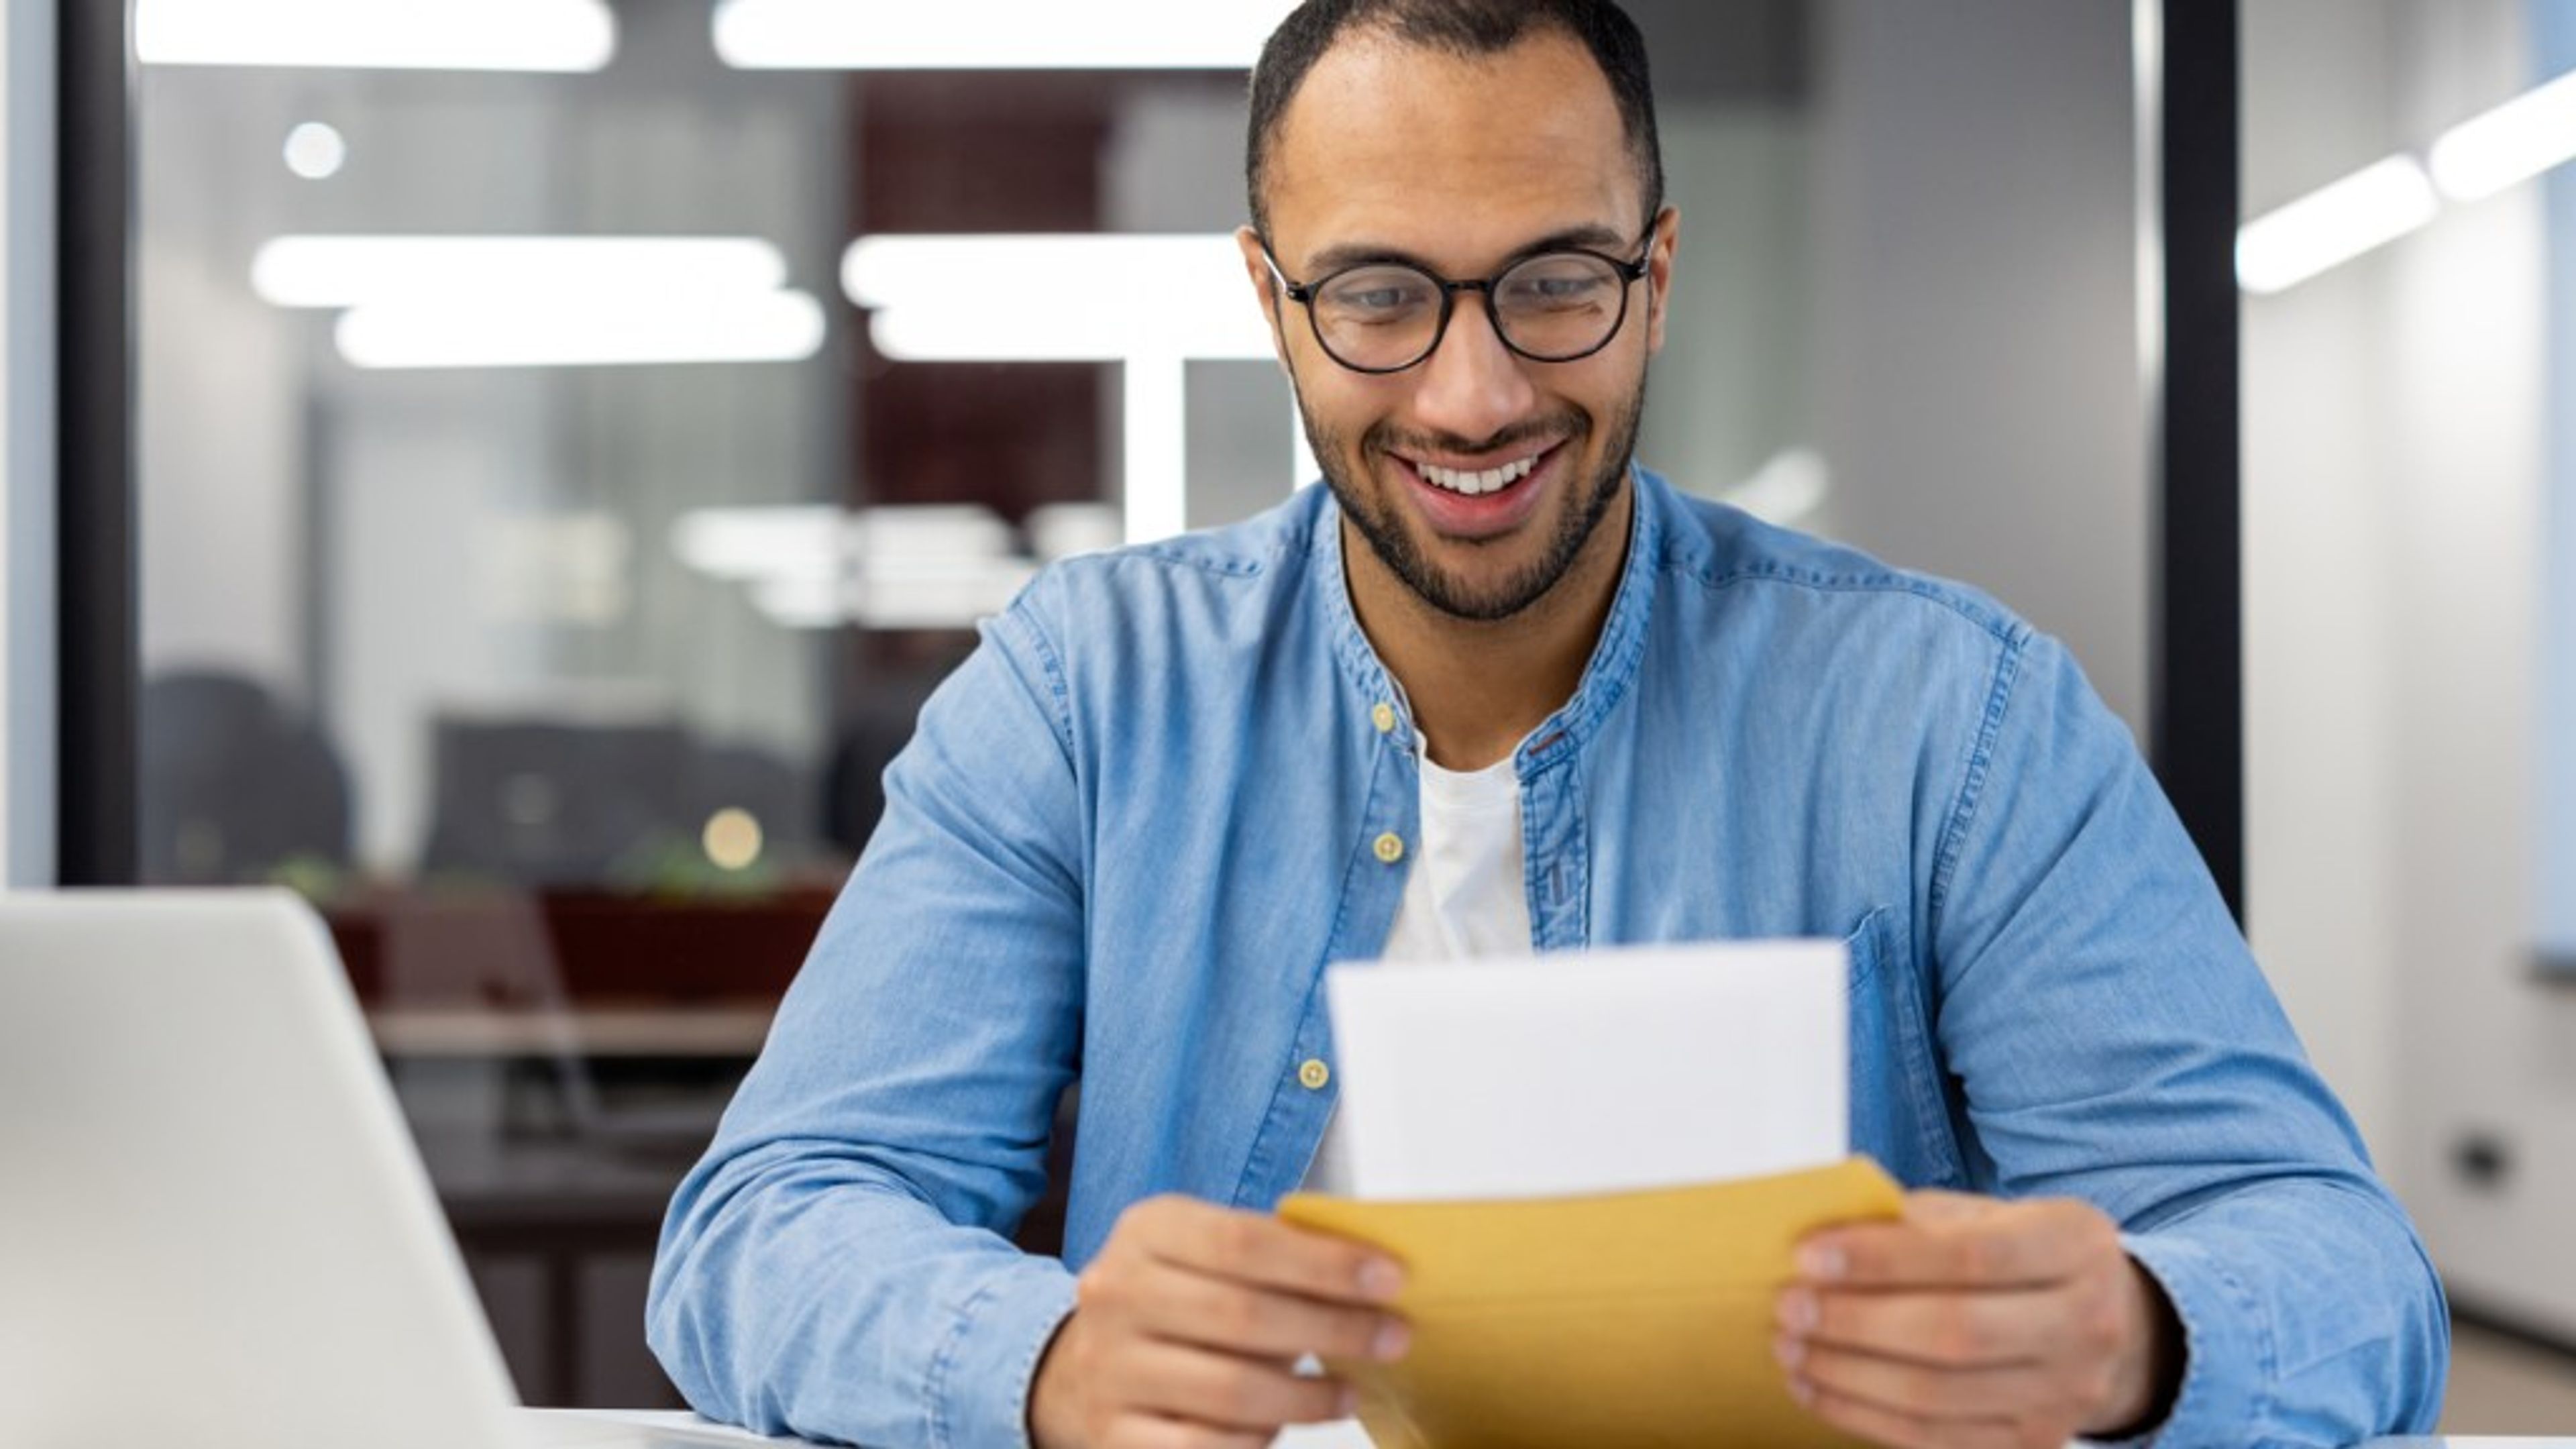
(1443, 590)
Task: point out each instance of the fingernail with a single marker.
(1790, 1351)
(1393, 1338)
(1817, 1260)
(1798, 1310)
(1380, 1278)
(1801, 1390)
(1349, 1403)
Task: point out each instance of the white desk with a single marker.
(633, 1429)
(602, 1429)
(639, 1429)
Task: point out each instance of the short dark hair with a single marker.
(1464, 28)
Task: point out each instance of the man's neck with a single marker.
(1479, 687)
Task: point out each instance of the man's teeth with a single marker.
(1473, 483)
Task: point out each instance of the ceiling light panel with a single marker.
(2334, 224)
(504, 35)
(2514, 142)
(348, 271)
(994, 34)
(1076, 297)
(771, 327)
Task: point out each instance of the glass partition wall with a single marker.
(2410, 579)
(574, 437)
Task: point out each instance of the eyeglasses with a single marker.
(1551, 306)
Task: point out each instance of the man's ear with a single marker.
(1659, 274)
(1265, 288)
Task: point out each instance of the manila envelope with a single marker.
(1622, 1320)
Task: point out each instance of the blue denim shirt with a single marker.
(1136, 825)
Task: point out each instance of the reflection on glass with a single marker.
(544, 568)
(608, 444)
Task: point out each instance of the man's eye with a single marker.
(1558, 290)
(1380, 300)
(1377, 296)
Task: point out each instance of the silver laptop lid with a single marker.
(213, 1224)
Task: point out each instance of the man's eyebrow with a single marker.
(1359, 254)
(1591, 235)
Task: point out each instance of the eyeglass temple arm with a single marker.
(1298, 292)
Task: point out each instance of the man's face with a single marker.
(1461, 166)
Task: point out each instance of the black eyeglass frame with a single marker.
(1303, 294)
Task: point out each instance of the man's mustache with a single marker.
(1385, 439)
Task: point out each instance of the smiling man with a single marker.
(1495, 688)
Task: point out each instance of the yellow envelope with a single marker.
(1625, 1319)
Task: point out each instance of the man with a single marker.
(1498, 688)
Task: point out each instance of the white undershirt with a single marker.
(1463, 897)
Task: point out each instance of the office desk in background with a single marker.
(562, 1056)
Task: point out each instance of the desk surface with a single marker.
(652, 1429)
(603, 1429)
(716, 1032)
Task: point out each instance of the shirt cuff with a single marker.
(2227, 1345)
(980, 1377)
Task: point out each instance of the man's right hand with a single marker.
(1186, 1331)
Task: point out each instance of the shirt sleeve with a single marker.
(2113, 1040)
(839, 1264)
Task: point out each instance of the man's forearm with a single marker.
(802, 1297)
(2309, 1315)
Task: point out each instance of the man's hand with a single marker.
(1975, 1322)
(1187, 1328)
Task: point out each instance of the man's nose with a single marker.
(1472, 386)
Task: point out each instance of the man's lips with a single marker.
(1508, 483)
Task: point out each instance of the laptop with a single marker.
(214, 1227)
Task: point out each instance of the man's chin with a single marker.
(1484, 580)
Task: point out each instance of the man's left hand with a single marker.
(1976, 1322)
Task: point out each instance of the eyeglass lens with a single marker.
(1554, 306)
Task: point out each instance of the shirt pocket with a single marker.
(1899, 1113)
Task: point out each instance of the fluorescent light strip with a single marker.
(351, 271)
(1155, 490)
(772, 327)
(949, 598)
(2332, 225)
(2514, 142)
(794, 541)
(995, 34)
(889, 534)
(516, 35)
(814, 566)
(800, 603)
(1082, 297)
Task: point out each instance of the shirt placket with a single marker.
(1556, 868)
(1382, 838)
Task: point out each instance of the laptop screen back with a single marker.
(213, 1224)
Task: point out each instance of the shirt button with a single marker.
(1314, 1074)
(1390, 847)
(1383, 717)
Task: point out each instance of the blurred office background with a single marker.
(571, 437)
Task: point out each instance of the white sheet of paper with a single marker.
(1606, 1071)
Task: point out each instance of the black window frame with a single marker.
(97, 623)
